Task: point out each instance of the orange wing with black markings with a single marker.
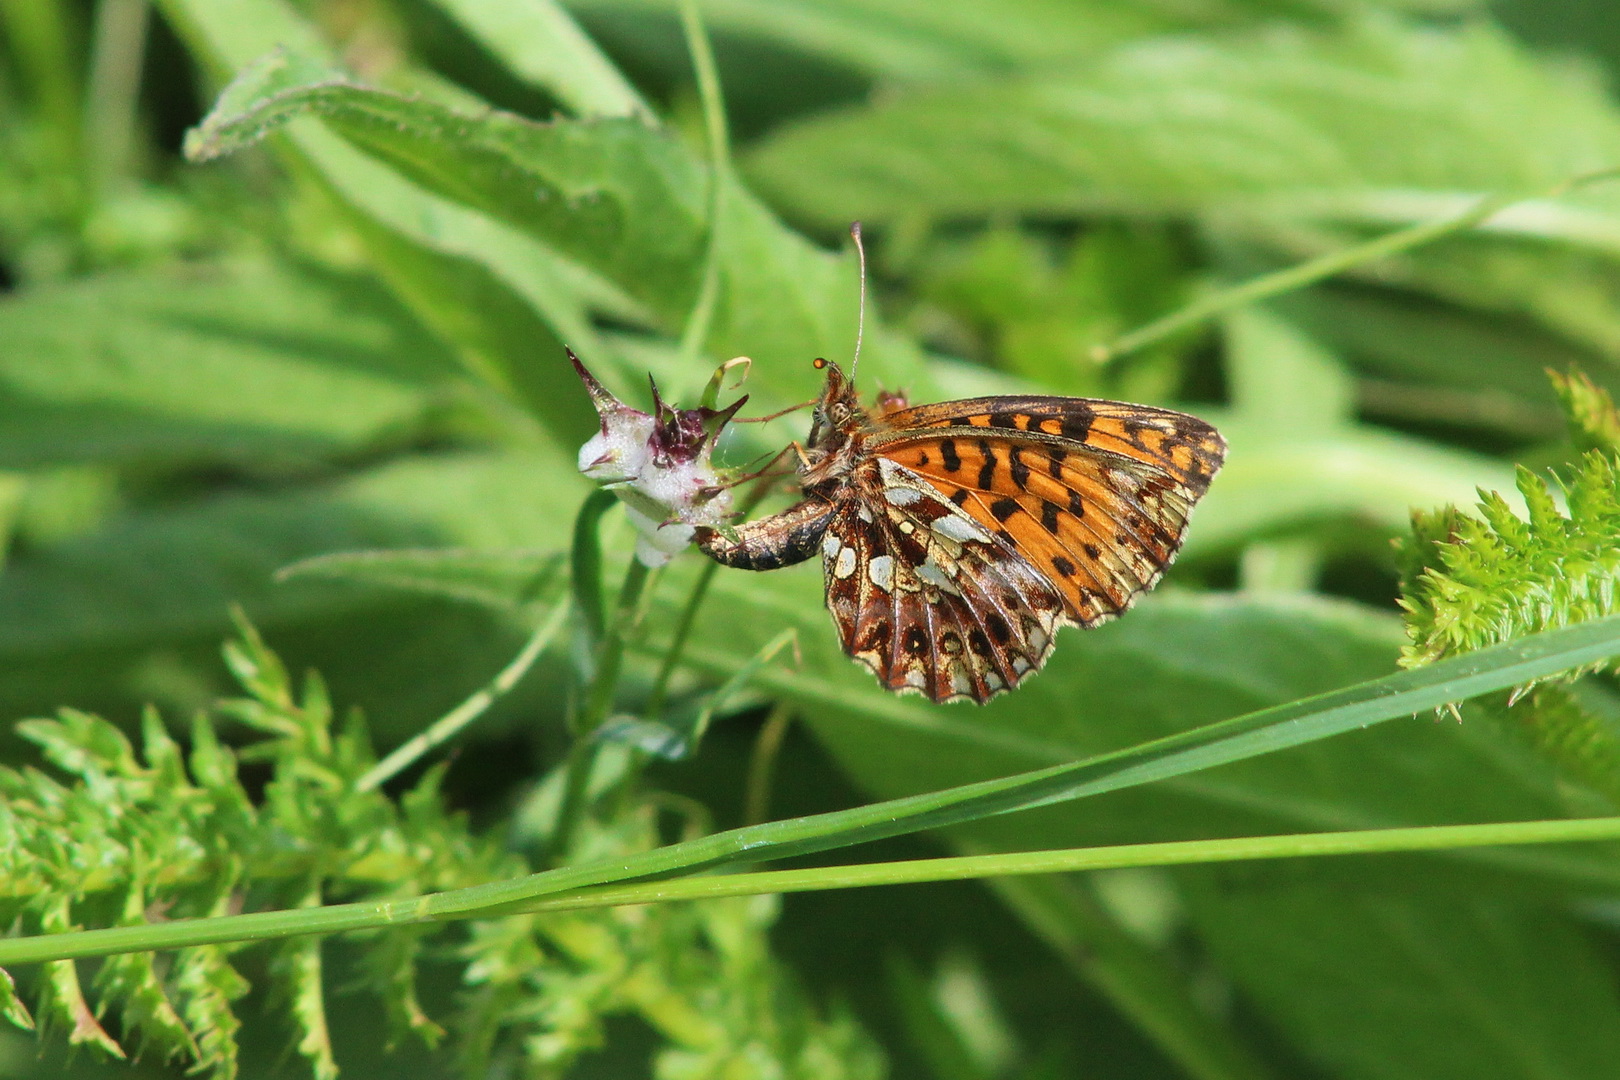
(1095, 494)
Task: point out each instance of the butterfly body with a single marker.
(956, 538)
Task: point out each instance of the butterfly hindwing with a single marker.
(928, 600)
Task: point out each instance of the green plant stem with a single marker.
(677, 643)
(689, 613)
(1325, 266)
(696, 331)
(610, 654)
(451, 724)
(444, 906)
(118, 46)
(599, 699)
(1072, 860)
(762, 763)
(585, 573)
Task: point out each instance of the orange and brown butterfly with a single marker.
(956, 538)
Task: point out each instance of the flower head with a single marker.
(659, 464)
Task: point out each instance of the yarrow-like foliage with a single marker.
(1495, 576)
(116, 836)
(1473, 580)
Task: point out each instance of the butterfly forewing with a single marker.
(1095, 494)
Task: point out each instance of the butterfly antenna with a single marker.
(860, 318)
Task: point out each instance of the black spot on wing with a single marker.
(1077, 423)
(1020, 471)
(1002, 509)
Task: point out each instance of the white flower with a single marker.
(660, 465)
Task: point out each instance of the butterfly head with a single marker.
(837, 409)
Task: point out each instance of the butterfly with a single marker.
(956, 538)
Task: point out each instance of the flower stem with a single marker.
(696, 332)
(598, 700)
(449, 725)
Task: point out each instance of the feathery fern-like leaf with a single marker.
(115, 834)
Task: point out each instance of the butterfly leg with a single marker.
(782, 539)
(764, 471)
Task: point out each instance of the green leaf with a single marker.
(11, 1006)
(541, 44)
(1171, 661)
(1494, 576)
(493, 294)
(253, 364)
(1187, 124)
(1593, 420)
(1276, 479)
(620, 198)
(165, 574)
(300, 961)
(1440, 362)
(505, 580)
(147, 1013)
(949, 40)
(1518, 992)
(1176, 661)
(1137, 978)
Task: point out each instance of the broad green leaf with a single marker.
(1280, 379)
(622, 199)
(500, 579)
(922, 41)
(134, 612)
(577, 185)
(1177, 658)
(251, 364)
(542, 44)
(1413, 985)
(1185, 124)
(1567, 287)
(164, 574)
(1277, 480)
(488, 291)
(1453, 366)
(1176, 661)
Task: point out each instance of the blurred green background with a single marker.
(349, 337)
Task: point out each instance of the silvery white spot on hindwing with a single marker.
(881, 571)
(947, 613)
(960, 527)
(844, 565)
